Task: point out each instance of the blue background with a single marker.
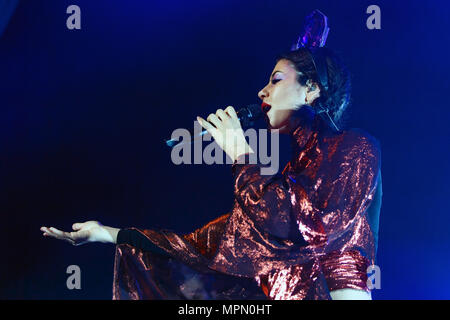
(83, 114)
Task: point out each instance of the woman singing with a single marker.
(309, 232)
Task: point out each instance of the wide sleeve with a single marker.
(161, 264)
(199, 244)
(137, 239)
(264, 198)
(206, 238)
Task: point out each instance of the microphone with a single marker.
(246, 116)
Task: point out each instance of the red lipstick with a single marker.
(265, 107)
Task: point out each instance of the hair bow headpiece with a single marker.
(314, 35)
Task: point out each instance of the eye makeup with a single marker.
(274, 81)
(276, 77)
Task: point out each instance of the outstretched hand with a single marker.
(89, 231)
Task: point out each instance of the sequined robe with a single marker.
(298, 234)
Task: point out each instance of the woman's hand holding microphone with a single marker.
(227, 132)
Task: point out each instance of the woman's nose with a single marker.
(262, 94)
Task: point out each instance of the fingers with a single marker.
(58, 234)
(85, 225)
(78, 225)
(45, 231)
(219, 123)
(214, 119)
(231, 112)
(208, 126)
(50, 232)
(217, 118)
(221, 115)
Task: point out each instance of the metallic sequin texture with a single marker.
(295, 235)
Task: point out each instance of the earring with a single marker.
(311, 86)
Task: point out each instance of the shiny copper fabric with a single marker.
(297, 235)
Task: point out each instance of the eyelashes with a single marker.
(274, 81)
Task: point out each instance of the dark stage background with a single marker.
(83, 114)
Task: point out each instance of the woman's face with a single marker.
(283, 95)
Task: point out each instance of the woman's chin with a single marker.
(270, 124)
(281, 128)
(275, 124)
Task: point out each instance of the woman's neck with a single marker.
(301, 123)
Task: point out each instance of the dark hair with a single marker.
(337, 98)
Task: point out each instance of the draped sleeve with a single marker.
(193, 248)
(265, 199)
(161, 264)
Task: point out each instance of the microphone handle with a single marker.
(172, 142)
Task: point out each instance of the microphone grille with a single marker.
(249, 114)
(255, 111)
